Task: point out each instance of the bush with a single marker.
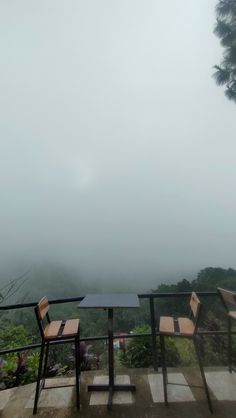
(187, 355)
(139, 350)
(16, 368)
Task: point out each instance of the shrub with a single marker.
(139, 350)
(16, 368)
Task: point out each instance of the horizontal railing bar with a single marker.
(176, 294)
(33, 304)
(79, 298)
(104, 337)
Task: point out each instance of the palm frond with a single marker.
(225, 29)
(230, 94)
(222, 76)
(222, 28)
(230, 57)
(226, 7)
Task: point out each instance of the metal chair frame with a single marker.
(175, 331)
(71, 334)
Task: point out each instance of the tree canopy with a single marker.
(225, 29)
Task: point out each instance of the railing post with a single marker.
(153, 327)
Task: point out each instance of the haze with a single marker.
(117, 147)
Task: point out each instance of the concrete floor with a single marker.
(146, 402)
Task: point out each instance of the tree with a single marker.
(225, 29)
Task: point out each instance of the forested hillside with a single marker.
(207, 279)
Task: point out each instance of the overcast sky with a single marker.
(118, 151)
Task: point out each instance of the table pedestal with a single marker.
(111, 386)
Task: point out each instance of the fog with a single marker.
(117, 147)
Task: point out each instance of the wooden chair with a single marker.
(229, 301)
(186, 328)
(53, 332)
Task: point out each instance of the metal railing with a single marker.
(153, 334)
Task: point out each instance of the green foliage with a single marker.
(225, 29)
(213, 351)
(13, 336)
(172, 354)
(16, 368)
(139, 350)
(186, 352)
(210, 278)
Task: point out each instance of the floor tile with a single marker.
(176, 393)
(222, 384)
(101, 398)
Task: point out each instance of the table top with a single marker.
(110, 300)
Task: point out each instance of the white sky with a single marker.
(117, 148)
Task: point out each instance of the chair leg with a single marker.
(38, 384)
(77, 370)
(202, 373)
(164, 369)
(229, 346)
(45, 363)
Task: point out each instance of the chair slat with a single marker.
(195, 304)
(186, 326)
(167, 325)
(52, 329)
(43, 307)
(71, 328)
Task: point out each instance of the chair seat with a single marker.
(71, 328)
(52, 330)
(167, 325)
(186, 326)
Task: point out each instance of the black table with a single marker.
(109, 302)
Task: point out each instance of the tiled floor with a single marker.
(147, 401)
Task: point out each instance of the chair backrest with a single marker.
(228, 297)
(195, 306)
(41, 311)
(43, 307)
